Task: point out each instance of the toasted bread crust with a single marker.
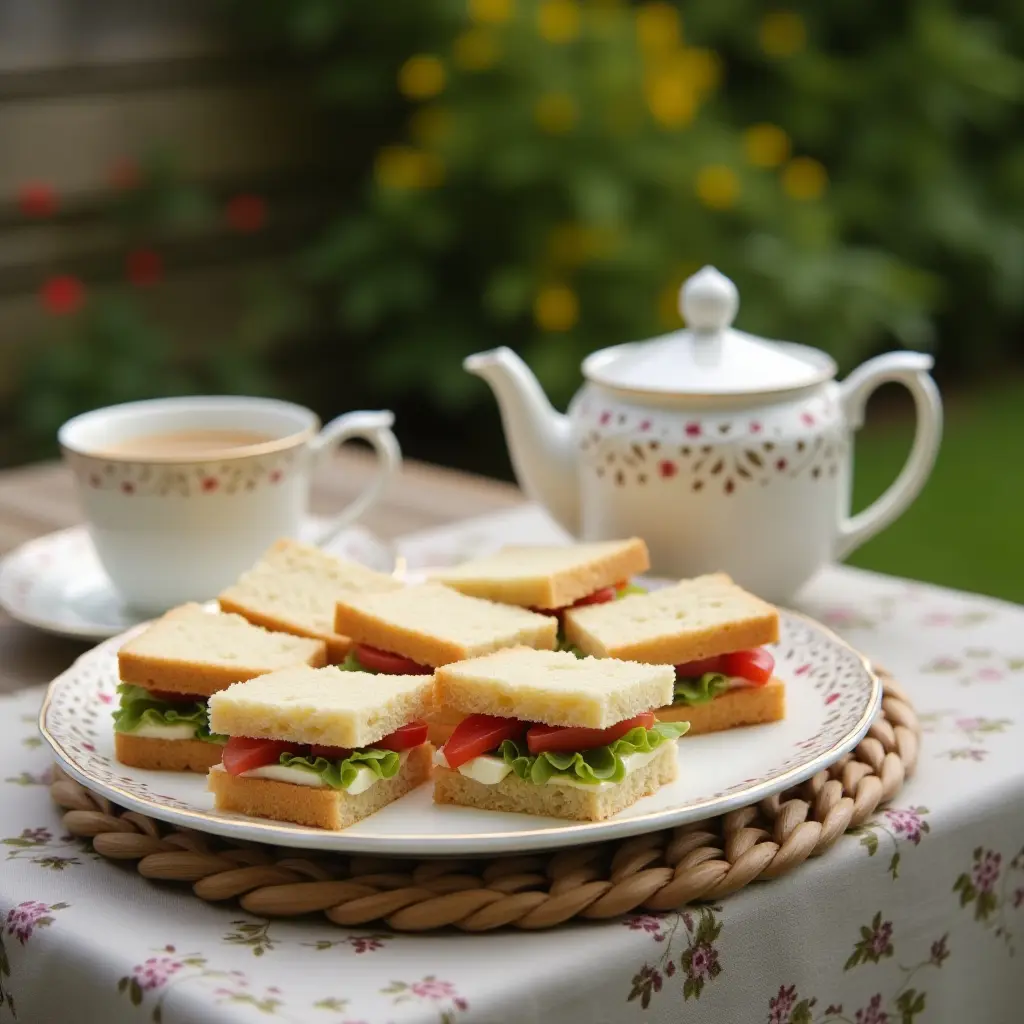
(316, 807)
(735, 708)
(611, 563)
(553, 801)
(166, 755)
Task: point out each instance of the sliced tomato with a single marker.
(331, 753)
(242, 753)
(695, 669)
(602, 596)
(411, 735)
(478, 734)
(389, 664)
(541, 738)
(756, 665)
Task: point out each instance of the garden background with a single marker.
(335, 202)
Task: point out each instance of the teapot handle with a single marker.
(911, 370)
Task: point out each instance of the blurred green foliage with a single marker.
(545, 173)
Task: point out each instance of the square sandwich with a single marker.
(420, 627)
(320, 747)
(712, 631)
(551, 577)
(169, 670)
(545, 732)
(293, 589)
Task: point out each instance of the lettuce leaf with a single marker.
(341, 774)
(353, 664)
(700, 691)
(601, 764)
(139, 707)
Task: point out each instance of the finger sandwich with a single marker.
(293, 589)
(169, 670)
(320, 747)
(712, 631)
(551, 578)
(547, 733)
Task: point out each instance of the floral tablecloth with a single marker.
(919, 917)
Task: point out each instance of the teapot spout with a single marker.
(539, 438)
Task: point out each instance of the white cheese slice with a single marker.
(165, 732)
(365, 777)
(489, 771)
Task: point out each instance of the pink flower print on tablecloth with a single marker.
(985, 872)
(647, 923)
(23, 919)
(781, 1006)
(875, 943)
(872, 1013)
(907, 823)
(429, 988)
(156, 972)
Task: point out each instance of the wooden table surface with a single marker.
(40, 499)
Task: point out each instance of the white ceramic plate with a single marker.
(55, 583)
(832, 696)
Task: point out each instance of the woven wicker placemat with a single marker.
(659, 871)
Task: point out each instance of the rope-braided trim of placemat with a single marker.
(660, 871)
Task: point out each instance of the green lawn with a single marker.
(966, 530)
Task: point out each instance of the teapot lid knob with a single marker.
(708, 301)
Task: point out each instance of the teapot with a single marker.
(724, 451)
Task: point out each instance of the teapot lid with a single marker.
(710, 357)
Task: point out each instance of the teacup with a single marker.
(181, 495)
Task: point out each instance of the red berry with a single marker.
(246, 214)
(62, 295)
(125, 174)
(144, 267)
(37, 199)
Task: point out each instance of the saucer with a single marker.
(56, 583)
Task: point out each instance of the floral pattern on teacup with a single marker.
(230, 476)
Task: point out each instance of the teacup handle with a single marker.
(911, 370)
(375, 428)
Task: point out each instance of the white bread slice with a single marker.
(166, 755)
(313, 806)
(434, 625)
(293, 588)
(321, 705)
(190, 650)
(754, 705)
(554, 801)
(694, 619)
(548, 576)
(553, 687)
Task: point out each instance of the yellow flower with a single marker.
(556, 308)
(766, 145)
(555, 112)
(401, 168)
(476, 49)
(491, 12)
(782, 33)
(421, 77)
(570, 244)
(558, 21)
(804, 178)
(717, 186)
(670, 99)
(658, 27)
(430, 125)
(701, 68)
